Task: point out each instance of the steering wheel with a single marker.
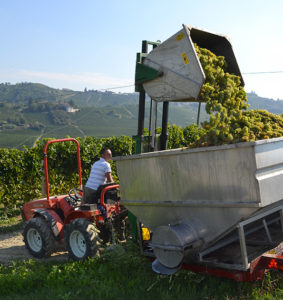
(74, 194)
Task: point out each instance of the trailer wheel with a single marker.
(82, 239)
(38, 238)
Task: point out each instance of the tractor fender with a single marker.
(80, 214)
(55, 222)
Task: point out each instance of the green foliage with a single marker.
(20, 171)
(193, 133)
(17, 184)
(179, 137)
(176, 137)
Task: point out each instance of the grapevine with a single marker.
(20, 171)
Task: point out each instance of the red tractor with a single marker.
(64, 220)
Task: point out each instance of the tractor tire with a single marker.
(38, 238)
(82, 239)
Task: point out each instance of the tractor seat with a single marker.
(88, 207)
(111, 196)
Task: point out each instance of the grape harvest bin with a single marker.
(200, 202)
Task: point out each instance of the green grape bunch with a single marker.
(226, 103)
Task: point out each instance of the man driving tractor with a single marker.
(100, 174)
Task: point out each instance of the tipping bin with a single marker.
(179, 74)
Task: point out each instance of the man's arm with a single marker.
(109, 177)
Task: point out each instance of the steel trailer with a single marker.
(215, 209)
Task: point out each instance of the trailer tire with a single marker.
(82, 239)
(38, 238)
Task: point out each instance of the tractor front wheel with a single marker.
(38, 238)
(82, 239)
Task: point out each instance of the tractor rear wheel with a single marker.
(82, 239)
(38, 237)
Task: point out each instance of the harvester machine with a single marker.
(217, 209)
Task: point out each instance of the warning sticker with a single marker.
(185, 58)
(179, 36)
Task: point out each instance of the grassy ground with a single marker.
(121, 273)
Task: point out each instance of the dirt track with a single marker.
(12, 247)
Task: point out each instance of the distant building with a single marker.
(68, 108)
(71, 109)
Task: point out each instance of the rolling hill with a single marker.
(30, 111)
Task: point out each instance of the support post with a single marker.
(141, 113)
(43, 180)
(139, 138)
(154, 124)
(149, 127)
(199, 107)
(243, 247)
(164, 135)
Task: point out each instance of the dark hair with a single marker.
(103, 150)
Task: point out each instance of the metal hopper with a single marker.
(179, 75)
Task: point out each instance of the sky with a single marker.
(93, 44)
